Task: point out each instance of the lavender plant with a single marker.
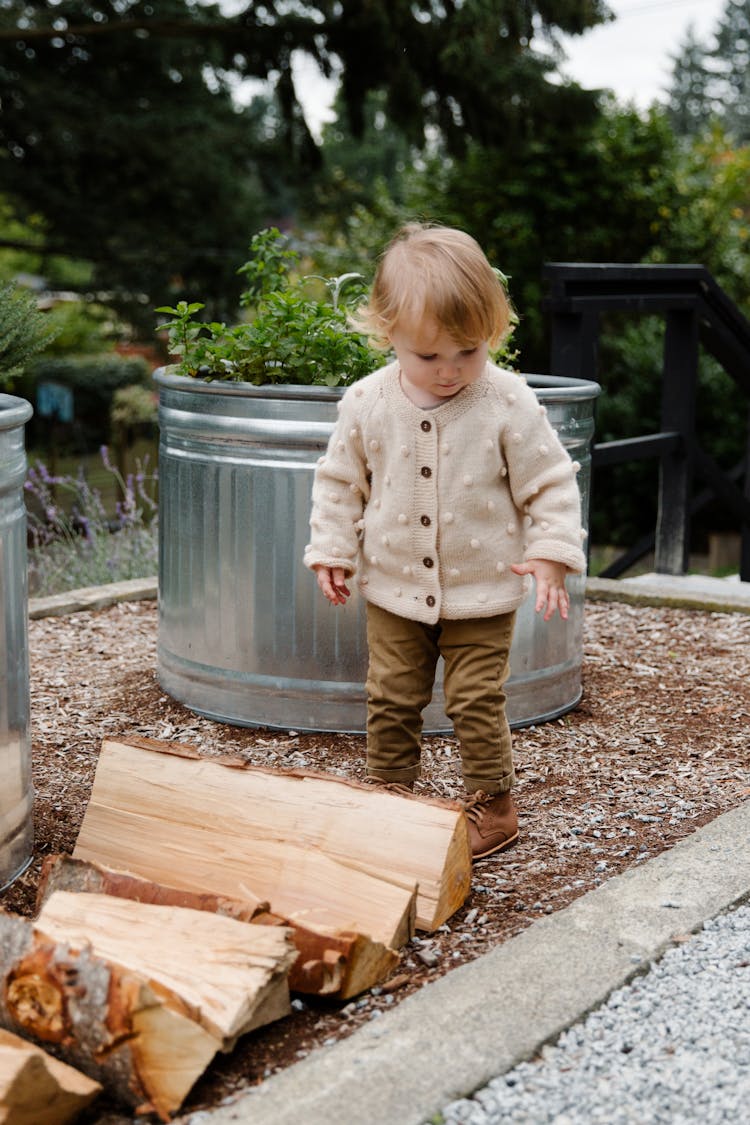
(74, 541)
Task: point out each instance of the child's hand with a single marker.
(550, 585)
(332, 582)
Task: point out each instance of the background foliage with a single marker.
(94, 381)
(24, 331)
(453, 111)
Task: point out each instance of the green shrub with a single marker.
(24, 331)
(82, 328)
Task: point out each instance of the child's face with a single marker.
(433, 366)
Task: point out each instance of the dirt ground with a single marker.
(658, 746)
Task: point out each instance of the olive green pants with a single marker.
(400, 678)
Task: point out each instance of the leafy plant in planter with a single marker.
(293, 335)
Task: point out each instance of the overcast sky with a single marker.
(631, 55)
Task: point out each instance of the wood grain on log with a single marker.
(324, 852)
(328, 963)
(139, 997)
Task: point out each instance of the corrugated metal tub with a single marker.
(244, 635)
(16, 792)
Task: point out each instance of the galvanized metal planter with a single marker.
(16, 792)
(244, 635)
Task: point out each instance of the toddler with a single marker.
(445, 488)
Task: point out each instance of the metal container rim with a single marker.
(563, 388)
(554, 388)
(13, 411)
(291, 391)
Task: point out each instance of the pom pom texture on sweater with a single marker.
(430, 508)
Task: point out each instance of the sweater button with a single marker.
(426, 471)
(425, 521)
(428, 563)
(430, 600)
(426, 426)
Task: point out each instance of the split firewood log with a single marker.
(330, 963)
(107, 1022)
(325, 852)
(38, 1089)
(338, 964)
(230, 976)
(139, 997)
(63, 873)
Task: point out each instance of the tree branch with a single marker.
(116, 27)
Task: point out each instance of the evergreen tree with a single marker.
(732, 60)
(712, 84)
(468, 69)
(118, 126)
(24, 331)
(120, 129)
(589, 193)
(689, 105)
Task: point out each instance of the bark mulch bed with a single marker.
(657, 747)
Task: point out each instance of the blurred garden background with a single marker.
(135, 169)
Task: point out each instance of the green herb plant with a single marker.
(292, 335)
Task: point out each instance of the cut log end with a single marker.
(455, 880)
(113, 986)
(38, 1089)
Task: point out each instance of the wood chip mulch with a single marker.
(658, 746)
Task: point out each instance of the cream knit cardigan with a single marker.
(432, 506)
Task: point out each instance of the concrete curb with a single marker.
(93, 597)
(712, 595)
(481, 1019)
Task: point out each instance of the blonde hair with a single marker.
(440, 273)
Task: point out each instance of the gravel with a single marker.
(670, 1048)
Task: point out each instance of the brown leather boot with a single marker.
(493, 824)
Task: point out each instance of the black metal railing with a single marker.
(697, 313)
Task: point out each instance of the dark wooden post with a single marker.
(677, 414)
(574, 344)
